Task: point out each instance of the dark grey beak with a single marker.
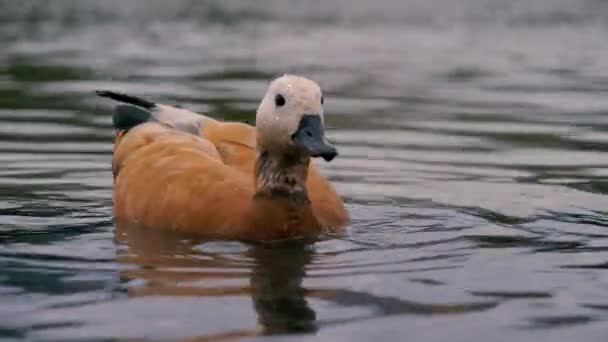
(311, 137)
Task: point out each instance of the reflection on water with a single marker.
(472, 139)
(277, 292)
(274, 274)
(270, 275)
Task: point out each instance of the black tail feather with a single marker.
(137, 101)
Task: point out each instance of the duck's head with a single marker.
(290, 118)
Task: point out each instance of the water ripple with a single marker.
(472, 160)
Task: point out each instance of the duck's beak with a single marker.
(311, 136)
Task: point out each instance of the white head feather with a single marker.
(287, 100)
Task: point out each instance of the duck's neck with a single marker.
(282, 175)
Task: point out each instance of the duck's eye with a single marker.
(321, 99)
(279, 100)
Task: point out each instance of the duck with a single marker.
(175, 169)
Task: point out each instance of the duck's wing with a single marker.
(235, 142)
(171, 179)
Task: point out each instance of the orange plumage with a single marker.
(187, 172)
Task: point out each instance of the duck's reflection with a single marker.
(277, 292)
(168, 265)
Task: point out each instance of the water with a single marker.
(473, 138)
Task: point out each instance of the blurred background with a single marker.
(473, 137)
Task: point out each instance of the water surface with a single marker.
(473, 138)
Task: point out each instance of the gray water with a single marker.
(473, 137)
